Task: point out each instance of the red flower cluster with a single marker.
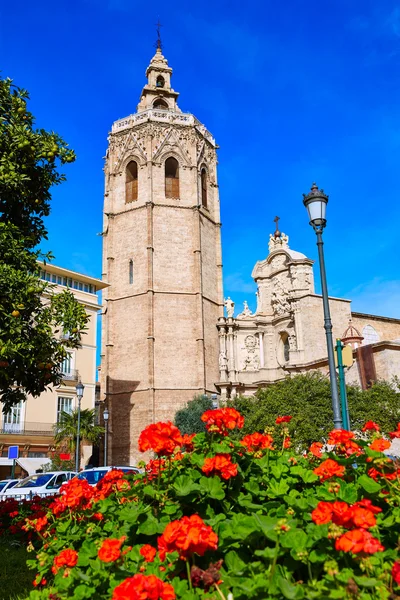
(344, 442)
(162, 438)
(189, 535)
(316, 449)
(222, 419)
(75, 493)
(371, 426)
(66, 558)
(379, 445)
(285, 419)
(396, 572)
(361, 514)
(396, 433)
(257, 441)
(375, 474)
(143, 587)
(148, 552)
(113, 481)
(358, 540)
(220, 464)
(154, 467)
(187, 442)
(329, 468)
(110, 550)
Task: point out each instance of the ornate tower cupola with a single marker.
(157, 93)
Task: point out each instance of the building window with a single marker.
(171, 178)
(204, 187)
(37, 454)
(12, 419)
(131, 181)
(66, 364)
(160, 82)
(131, 271)
(64, 404)
(370, 335)
(160, 103)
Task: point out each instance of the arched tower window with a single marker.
(131, 182)
(370, 335)
(203, 176)
(160, 103)
(171, 178)
(160, 82)
(131, 271)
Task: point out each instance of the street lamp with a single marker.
(315, 202)
(106, 414)
(79, 394)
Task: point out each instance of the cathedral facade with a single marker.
(165, 334)
(162, 262)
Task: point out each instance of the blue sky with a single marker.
(293, 92)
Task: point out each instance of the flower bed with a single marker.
(216, 518)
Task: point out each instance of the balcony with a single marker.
(72, 375)
(27, 428)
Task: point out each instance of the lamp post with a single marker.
(106, 414)
(315, 202)
(79, 394)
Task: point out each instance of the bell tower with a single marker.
(162, 263)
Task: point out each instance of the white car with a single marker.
(40, 484)
(93, 476)
(6, 484)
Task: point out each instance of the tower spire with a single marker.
(158, 43)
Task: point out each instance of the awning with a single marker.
(31, 465)
(6, 462)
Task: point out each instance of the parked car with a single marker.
(6, 484)
(96, 474)
(41, 484)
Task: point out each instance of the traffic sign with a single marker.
(65, 456)
(13, 452)
(347, 356)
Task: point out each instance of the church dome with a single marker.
(352, 336)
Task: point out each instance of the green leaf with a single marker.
(294, 538)
(212, 486)
(184, 485)
(267, 526)
(348, 492)
(290, 591)
(368, 484)
(365, 581)
(149, 527)
(234, 562)
(278, 488)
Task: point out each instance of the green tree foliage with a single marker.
(66, 429)
(188, 419)
(307, 399)
(36, 325)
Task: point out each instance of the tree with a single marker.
(65, 431)
(188, 419)
(36, 324)
(307, 399)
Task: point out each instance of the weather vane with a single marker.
(158, 42)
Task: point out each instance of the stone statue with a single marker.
(279, 304)
(230, 307)
(246, 312)
(223, 361)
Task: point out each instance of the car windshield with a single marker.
(35, 481)
(92, 476)
(3, 485)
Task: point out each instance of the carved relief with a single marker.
(251, 360)
(279, 297)
(278, 243)
(223, 361)
(246, 312)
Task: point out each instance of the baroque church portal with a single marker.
(162, 261)
(165, 336)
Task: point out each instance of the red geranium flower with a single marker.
(187, 442)
(340, 436)
(322, 513)
(341, 513)
(257, 441)
(66, 558)
(285, 419)
(371, 426)
(396, 572)
(362, 517)
(148, 552)
(162, 438)
(316, 449)
(358, 540)
(287, 442)
(329, 468)
(110, 550)
(366, 503)
(396, 433)
(153, 467)
(222, 419)
(220, 464)
(143, 587)
(380, 445)
(189, 535)
(75, 493)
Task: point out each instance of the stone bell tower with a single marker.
(162, 263)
